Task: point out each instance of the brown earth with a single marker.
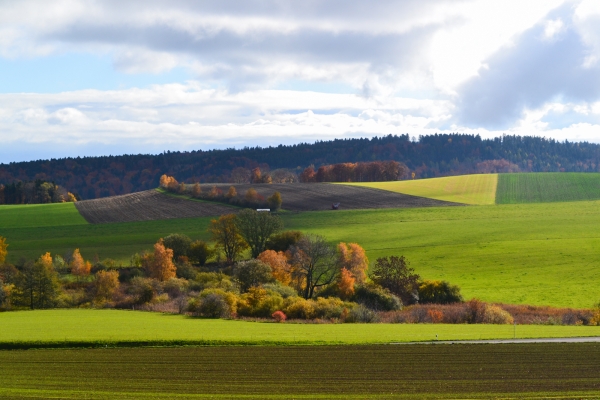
(146, 206)
(320, 196)
(153, 205)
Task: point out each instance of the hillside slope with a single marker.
(477, 189)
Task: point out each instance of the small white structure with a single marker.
(263, 209)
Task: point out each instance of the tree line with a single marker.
(34, 192)
(425, 156)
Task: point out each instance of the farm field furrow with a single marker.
(415, 371)
(81, 327)
(320, 196)
(547, 187)
(146, 206)
(477, 189)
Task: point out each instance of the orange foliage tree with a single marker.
(169, 183)
(196, 190)
(278, 261)
(346, 283)
(105, 285)
(353, 258)
(79, 267)
(3, 249)
(161, 265)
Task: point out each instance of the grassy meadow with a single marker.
(547, 187)
(467, 189)
(543, 254)
(300, 372)
(88, 327)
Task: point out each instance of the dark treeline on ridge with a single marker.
(429, 156)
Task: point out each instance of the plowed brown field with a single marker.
(320, 196)
(146, 206)
(153, 205)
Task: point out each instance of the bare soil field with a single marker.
(320, 196)
(146, 206)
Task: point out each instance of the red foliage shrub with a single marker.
(279, 316)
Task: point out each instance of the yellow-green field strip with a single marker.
(467, 189)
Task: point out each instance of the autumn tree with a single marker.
(79, 267)
(3, 249)
(161, 266)
(196, 190)
(345, 284)
(283, 240)
(314, 262)
(226, 234)
(251, 196)
(353, 258)
(394, 274)
(169, 183)
(256, 228)
(105, 285)
(274, 201)
(37, 284)
(231, 193)
(278, 261)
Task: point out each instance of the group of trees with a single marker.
(250, 199)
(426, 156)
(375, 171)
(287, 274)
(34, 192)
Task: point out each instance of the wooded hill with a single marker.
(429, 156)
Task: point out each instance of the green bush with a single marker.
(259, 302)
(376, 298)
(439, 292)
(495, 315)
(214, 303)
(207, 280)
(179, 243)
(283, 240)
(331, 308)
(283, 290)
(199, 252)
(252, 273)
(143, 290)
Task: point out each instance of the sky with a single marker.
(87, 78)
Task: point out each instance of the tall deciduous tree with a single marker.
(161, 265)
(314, 262)
(353, 258)
(346, 283)
(394, 274)
(79, 267)
(227, 237)
(274, 201)
(3, 249)
(256, 228)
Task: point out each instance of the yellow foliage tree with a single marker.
(226, 234)
(162, 267)
(3, 249)
(169, 183)
(196, 190)
(231, 193)
(105, 285)
(79, 267)
(353, 258)
(278, 261)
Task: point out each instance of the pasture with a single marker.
(96, 328)
(543, 254)
(339, 372)
(467, 189)
(547, 187)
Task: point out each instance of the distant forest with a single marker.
(429, 156)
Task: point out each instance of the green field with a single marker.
(300, 372)
(80, 327)
(467, 189)
(545, 253)
(547, 187)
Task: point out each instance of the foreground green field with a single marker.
(79, 327)
(341, 372)
(547, 187)
(467, 189)
(526, 253)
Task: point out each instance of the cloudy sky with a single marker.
(121, 77)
